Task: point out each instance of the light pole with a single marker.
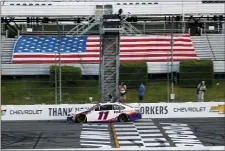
(168, 77)
(60, 72)
(172, 43)
(183, 24)
(1, 52)
(56, 81)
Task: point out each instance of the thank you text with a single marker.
(154, 109)
(64, 111)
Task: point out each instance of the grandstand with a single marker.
(37, 34)
(203, 49)
(89, 7)
(210, 46)
(149, 18)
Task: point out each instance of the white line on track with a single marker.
(85, 141)
(133, 147)
(145, 127)
(96, 145)
(95, 132)
(154, 139)
(125, 129)
(96, 138)
(128, 137)
(124, 123)
(91, 128)
(151, 134)
(142, 123)
(124, 133)
(131, 142)
(143, 120)
(149, 131)
(94, 125)
(123, 126)
(156, 144)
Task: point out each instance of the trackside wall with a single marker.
(149, 110)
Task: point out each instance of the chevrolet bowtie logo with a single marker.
(3, 112)
(219, 108)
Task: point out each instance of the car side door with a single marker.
(118, 109)
(102, 113)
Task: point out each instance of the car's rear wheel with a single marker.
(81, 118)
(123, 118)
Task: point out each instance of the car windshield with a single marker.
(93, 107)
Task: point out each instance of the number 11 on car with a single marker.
(103, 115)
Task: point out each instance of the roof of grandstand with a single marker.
(88, 7)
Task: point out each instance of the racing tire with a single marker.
(81, 118)
(123, 118)
(69, 120)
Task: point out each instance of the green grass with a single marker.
(38, 91)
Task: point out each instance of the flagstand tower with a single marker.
(110, 28)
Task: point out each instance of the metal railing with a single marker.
(210, 46)
(143, 27)
(80, 27)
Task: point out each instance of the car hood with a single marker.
(136, 109)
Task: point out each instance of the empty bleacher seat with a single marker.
(210, 46)
(218, 45)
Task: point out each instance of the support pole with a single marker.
(117, 65)
(172, 43)
(1, 53)
(1, 60)
(168, 78)
(56, 81)
(183, 23)
(60, 72)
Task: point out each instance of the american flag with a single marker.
(86, 49)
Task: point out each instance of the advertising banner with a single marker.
(39, 112)
(148, 110)
(182, 110)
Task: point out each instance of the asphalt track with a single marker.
(58, 134)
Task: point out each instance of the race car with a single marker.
(105, 112)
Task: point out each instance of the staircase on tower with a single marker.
(7, 47)
(90, 21)
(111, 26)
(110, 56)
(94, 20)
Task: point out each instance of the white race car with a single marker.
(105, 112)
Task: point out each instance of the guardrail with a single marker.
(146, 27)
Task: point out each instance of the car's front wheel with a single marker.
(123, 118)
(69, 120)
(81, 118)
